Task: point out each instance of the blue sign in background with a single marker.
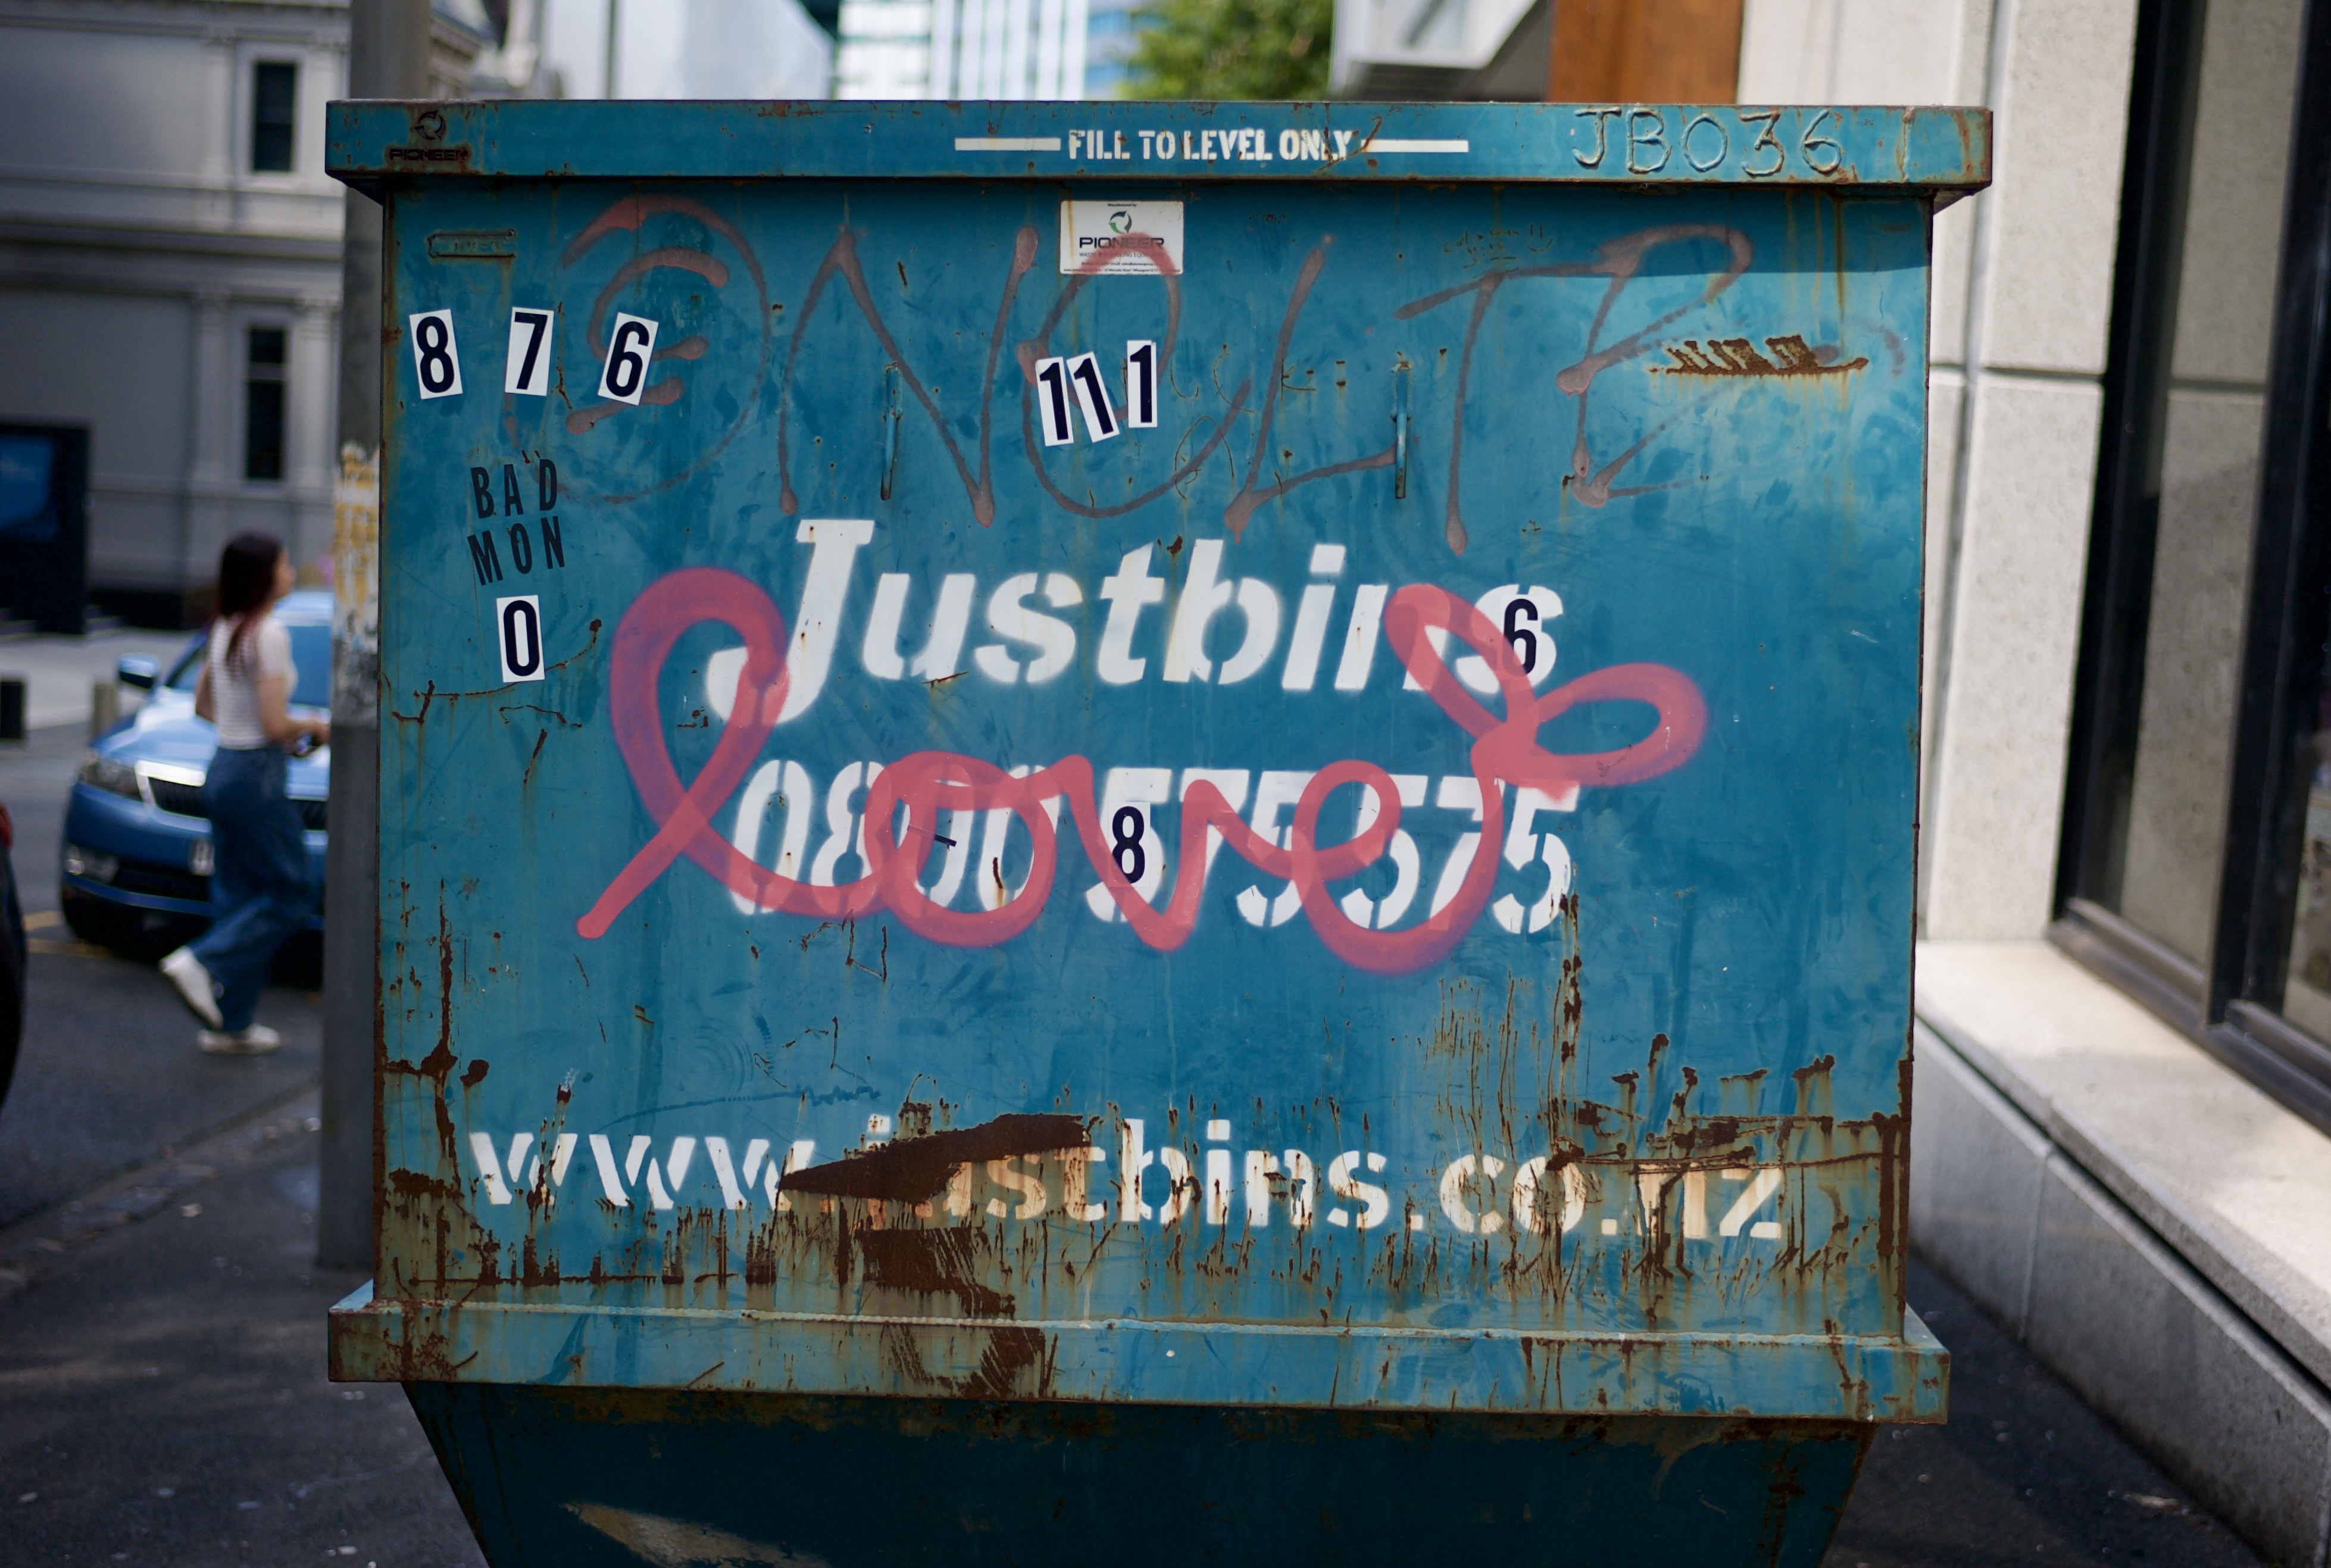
(1650, 1083)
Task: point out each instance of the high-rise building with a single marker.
(688, 47)
(1003, 49)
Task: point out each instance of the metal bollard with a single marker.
(104, 706)
(12, 708)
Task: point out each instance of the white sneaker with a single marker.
(256, 1041)
(193, 981)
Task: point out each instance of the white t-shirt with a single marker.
(234, 692)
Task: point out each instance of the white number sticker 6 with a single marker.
(629, 350)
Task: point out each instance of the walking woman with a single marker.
(260, 892)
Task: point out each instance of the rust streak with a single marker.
(1737, 356)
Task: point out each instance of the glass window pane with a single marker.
(311, 664)
(274, 96)
(2172, 832)
(262, 431)
(2306, 993)
(262, 403)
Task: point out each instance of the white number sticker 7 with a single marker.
(529, 373)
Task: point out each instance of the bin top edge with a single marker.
(1938, 150)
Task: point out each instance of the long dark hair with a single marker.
(246, 581)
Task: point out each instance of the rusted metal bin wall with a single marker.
(1174, 831)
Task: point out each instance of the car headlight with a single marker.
(110, 774)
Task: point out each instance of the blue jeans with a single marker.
(260, 889)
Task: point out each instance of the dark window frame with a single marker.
(259, 375)
(2231, 1004)
(288, 126)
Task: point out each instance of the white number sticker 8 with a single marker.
(436, 363)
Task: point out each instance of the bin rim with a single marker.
(1939, 152)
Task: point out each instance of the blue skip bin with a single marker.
(1149, 832)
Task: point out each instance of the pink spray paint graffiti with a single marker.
(1505, 751)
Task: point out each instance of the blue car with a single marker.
(137, 855)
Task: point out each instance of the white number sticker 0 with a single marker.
(517, 627)
(436, 363)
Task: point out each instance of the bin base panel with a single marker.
(1826, 1376)
(576, 1476)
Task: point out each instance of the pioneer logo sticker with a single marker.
(1140, 238)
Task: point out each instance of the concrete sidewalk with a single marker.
(57, 672)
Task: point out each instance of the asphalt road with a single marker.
(162, 1388)
(109, 1076)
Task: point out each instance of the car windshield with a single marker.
(311, 664)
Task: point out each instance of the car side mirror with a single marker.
(139, 671)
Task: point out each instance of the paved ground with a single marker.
(2023, 1473)
(109, 1076)
(162, 1400)
(162, 1390)
(57, 672)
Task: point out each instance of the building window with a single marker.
(2195, 866)
(262, 403)
(275, 105)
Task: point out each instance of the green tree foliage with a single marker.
(1231, 49)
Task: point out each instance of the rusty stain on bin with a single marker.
(1738, 357)
(1160, 925)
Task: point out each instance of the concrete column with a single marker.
(2039, 301)
(310, 463)
(388, 57)
(210, 454)
(217, 133)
